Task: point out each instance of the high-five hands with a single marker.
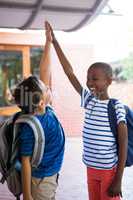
(49, 31)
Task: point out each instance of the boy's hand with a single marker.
(49, 28)
(48, 32)
(115, 189)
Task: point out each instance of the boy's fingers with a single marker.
(46, 25)
(49, 29)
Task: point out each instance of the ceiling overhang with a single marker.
(67, 15)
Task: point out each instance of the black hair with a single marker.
(104, 66)
(27, 94)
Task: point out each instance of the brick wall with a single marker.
(66, 99)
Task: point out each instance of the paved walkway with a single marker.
(72, 183)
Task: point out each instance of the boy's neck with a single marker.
(103, 96)
(40, 111)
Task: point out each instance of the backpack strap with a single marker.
(112, 116)
(39, 135)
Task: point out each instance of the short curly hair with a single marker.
(104, 66)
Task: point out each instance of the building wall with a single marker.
(66, 100)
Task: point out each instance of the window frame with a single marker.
(26, 71)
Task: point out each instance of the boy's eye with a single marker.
(92, 79)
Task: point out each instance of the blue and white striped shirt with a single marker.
(99, 143)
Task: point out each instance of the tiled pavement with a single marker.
(72, 183)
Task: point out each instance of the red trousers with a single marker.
(99, 182)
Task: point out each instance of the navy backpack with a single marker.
(113, 125)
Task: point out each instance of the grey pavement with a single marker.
(72, 182)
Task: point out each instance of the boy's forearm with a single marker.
(122, 150)
(45, 69)
(121, 163)
(26, 178)
(63, 60)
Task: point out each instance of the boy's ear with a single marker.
(110, 80)
(41, 103)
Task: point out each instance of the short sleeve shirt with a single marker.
(99, 143)
(54, 144)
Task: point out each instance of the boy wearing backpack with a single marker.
(104, 164)
(33, 96)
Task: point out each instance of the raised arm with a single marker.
(65, 63)
(45, 69)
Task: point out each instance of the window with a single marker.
(10, 74)
(35, 54)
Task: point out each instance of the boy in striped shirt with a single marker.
(104, 164)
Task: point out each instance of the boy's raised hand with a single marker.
(64, 61)
(49, 28)
(48, 32)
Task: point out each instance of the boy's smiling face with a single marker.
(98, 82)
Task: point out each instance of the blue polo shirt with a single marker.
(54, 144)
